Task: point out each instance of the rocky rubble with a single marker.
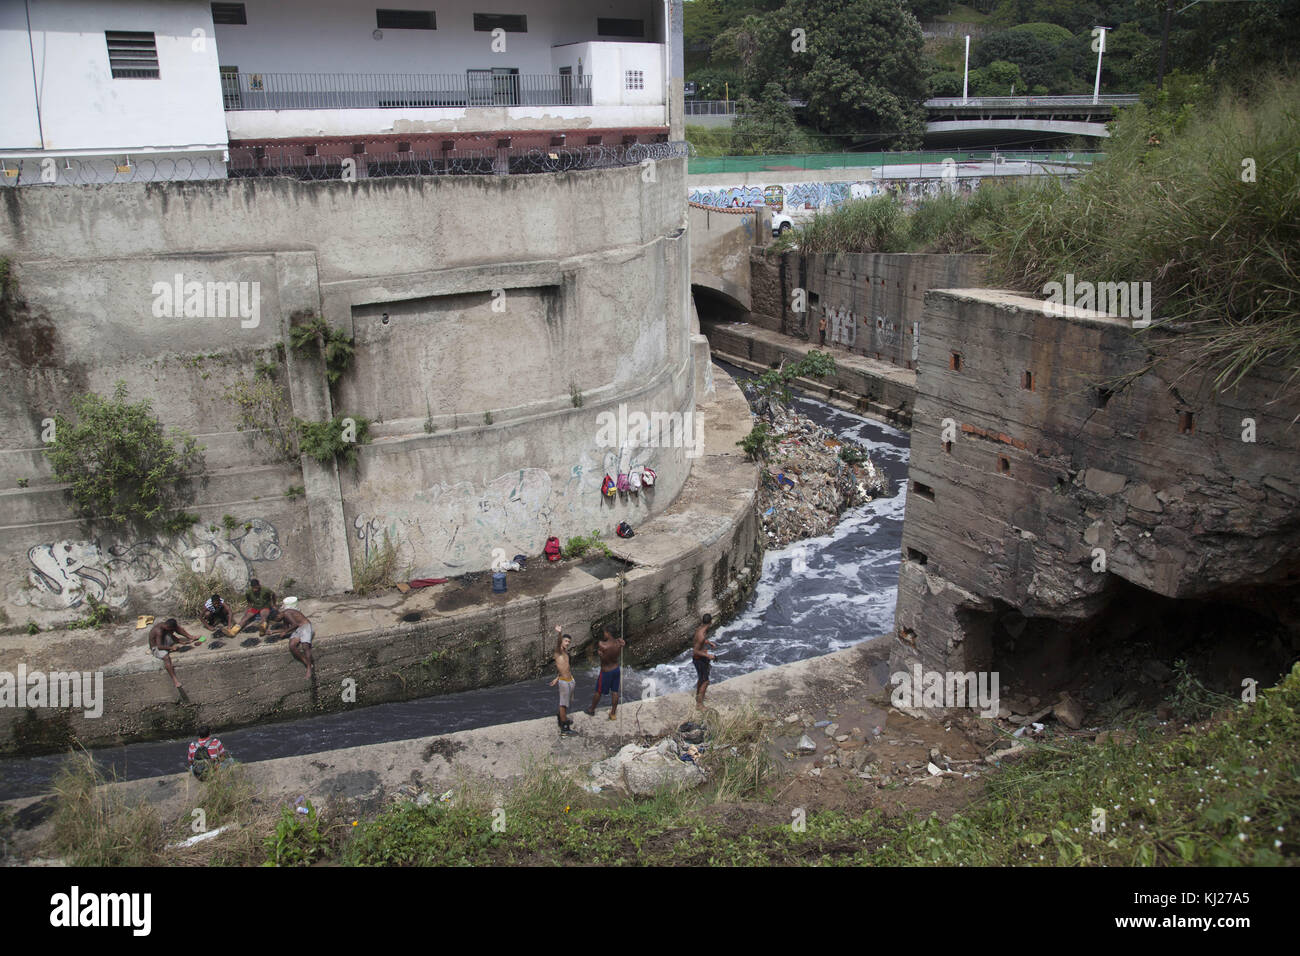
(806, 485)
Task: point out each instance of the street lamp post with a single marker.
(965, 76)
(1100, 34)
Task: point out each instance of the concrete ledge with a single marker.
(370, 774)
(862, 385)
(684, 562)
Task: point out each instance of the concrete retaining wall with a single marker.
(499, 321)
(698, 555)
(873, 302)
(1054, 458)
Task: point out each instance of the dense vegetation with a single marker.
(866, 69)
(1198, 195)
(122, 470)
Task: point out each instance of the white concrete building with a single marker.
(106, 85)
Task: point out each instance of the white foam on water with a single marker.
(785, 620)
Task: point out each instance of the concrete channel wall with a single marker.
(499, 322)
(701, 554)
(1068, 469)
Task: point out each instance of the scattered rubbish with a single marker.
(201, 837)
(806, 745)
(822, 723)
(934, 771)
(445, 798)
(498, 582)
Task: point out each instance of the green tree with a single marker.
(999, 78)
(766, 126)
(121, 469)
(857, 63)
(1042, 61)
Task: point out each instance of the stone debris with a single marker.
(642, 770)
(806, 486)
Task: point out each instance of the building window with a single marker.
(132, 55)
(229, 14)
(510, 22)
(634, 79)
(230, 87)
(406, 20)
(619, 27)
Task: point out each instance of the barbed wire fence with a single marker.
(291, 162)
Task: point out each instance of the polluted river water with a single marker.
(815, 597)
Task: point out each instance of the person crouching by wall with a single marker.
(216, 614)
(206, 754)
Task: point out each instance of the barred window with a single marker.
(634, 79)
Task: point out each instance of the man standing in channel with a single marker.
(702, 659)
(610, 650)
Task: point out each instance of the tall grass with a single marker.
(195, 587)
(378, 570)
(1201, 199)
(1172, 204)
(739, 758)
(94, 827)
(948, 222)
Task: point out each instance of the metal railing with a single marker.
(1020, 102)
(710, 107)
(254, 162)
(352, 91)
(784, 167)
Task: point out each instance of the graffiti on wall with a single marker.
(811, 196)
(841, 326)
(455, 527)
(61, 575)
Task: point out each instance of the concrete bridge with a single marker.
(720, 244)
(1064, 115)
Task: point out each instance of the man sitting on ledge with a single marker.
(261, 606)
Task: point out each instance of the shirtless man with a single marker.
(610, 650)
(162, 638)
(302, 636)
(702, 659)
(564, 677)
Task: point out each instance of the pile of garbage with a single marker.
(807, 483)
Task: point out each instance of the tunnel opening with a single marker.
(1143, 651)
(717, 307)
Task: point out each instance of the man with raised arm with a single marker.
(564, 678)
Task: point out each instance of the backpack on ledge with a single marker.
(552, 549)
(624, 530)
(608, 488)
